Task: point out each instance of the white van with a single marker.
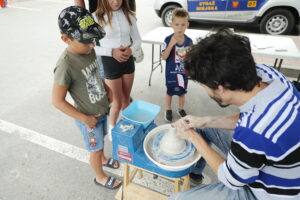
(273, 16)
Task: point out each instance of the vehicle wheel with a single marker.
(277, 22)
(166, 15)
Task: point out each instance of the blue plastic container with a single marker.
(141, 112)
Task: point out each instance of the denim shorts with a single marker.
(94, 138)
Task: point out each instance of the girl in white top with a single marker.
(121, 40)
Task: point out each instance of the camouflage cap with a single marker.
(79, 23)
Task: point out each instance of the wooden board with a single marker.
(136, 192)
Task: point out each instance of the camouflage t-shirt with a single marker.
(81, 74)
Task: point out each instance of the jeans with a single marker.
(218, 137)
(215, 191)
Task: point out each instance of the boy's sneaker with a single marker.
(181, 112)
(168, 116)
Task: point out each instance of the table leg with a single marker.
(155, 64)
(275, 64)
(177, 184)
(279, 65)
(126, 175)
(152, 64)
(160, 59)
(186, 182)
(140, 173)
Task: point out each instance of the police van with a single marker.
(273, 16)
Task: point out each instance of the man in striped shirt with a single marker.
(261, 142)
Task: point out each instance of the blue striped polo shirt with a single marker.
(265, 150)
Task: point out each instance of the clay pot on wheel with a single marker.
(171, 144)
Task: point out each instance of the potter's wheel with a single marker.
(173, 162)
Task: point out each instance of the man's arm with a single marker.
(227, 122)
(213, 159)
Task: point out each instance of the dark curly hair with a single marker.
(223, 58)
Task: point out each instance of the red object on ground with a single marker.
(3, 3)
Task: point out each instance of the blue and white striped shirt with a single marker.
(265, 151)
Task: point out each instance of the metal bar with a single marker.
(152, 63)
(280, 63)
(160, 58)
(275, 64)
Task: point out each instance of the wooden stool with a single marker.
(133, 191)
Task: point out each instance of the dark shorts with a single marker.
(176, 91)
(114, 70)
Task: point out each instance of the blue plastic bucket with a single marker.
(141, 112)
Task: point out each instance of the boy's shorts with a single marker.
(94, 138)
(177, 90)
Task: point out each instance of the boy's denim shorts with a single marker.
(94, 138)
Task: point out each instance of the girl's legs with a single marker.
(115, 86)
(127, 82)
(96, 164)
(120, 89)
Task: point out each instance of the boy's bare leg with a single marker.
(168, 102)
(96, 164)
(181, 101)
(105, 160)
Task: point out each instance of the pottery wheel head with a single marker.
(168, 151)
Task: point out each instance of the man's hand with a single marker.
(190, 121)
(119, 54)
(187, 134)
(213, 158)
(91, 121)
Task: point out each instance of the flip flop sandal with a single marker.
(111, 163)
(109, 183)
